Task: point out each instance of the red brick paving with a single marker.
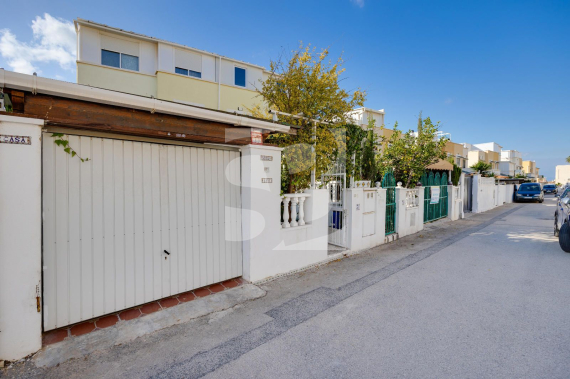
(230, 283)
(59, 335)
(105, 322)
(130, 314)
(54, 336)
(150, 308)
(201, 292)
(167, 303)
(216, 288)
(186, 296)
(80, 329)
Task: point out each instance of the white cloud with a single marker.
(448, 101)
(53, 41)
(358, 3)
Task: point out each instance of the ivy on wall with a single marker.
(61, 141)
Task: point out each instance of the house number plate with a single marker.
(16, 140)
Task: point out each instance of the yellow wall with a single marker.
(233, 97)
(175, 87)
(116, 79)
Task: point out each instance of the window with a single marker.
(183, 71)
(240, 77)
(119, 60)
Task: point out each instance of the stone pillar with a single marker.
(20, 239)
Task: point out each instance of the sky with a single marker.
(488, 71)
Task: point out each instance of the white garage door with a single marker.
(108, 221)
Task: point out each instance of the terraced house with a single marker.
(123, 61)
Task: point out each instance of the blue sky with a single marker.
(488, 70)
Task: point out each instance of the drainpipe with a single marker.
(219, 81)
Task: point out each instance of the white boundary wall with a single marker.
(484, 194)
(268, 248)
(20, 239)
(409, 211)
(365, 206)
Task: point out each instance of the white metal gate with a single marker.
(336, 185)
(137, 222)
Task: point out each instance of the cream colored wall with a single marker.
(185, 89)
(234, 97)
(174, 87)
(116, 79)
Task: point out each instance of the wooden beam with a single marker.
(80, 114)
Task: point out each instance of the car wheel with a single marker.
(556, 231)
(564, 237)
(540, 201)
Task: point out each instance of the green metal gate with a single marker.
(389, 182)
(436, 211)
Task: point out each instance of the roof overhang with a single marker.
(442, 165)
(35, 84)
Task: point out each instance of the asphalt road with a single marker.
(484, 297)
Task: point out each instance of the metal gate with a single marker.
(389, 182)
(438, 210)
(467, 193)
(336, 186)
(137, 222)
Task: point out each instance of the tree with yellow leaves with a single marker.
(307, 85)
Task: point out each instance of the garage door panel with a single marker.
(74, 230)
(107, 222)
(86, 212)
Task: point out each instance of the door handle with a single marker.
(166, 252)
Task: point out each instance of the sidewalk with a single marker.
(304, 293)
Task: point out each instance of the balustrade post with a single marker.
(286, 201)
(294, 202)
(302, 210)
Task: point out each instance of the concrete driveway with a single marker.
(483, 297)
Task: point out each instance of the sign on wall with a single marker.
(16, 140)
(434, 195)
(256, 137)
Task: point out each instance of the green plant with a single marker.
(455, 175)
(61, 141)
(408, 154)
(307, 85)
(481, 167)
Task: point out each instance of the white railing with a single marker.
(412, 198)
(295, 203)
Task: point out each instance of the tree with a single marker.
(408, 154)
(481, 167)
(568, 159)
(455, 174)
(369, 150)
(308, 85)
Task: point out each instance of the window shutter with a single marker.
(119, 45)
(188, 60)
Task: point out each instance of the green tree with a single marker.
(568, 159)
(408, 154)
(369, 164)
(455, 174)
(307, 85)
(481, 167)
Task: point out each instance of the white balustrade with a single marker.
(293, 209)
(412, 198)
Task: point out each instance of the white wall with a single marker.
(562, 174)
(359, 237)
(507, 168)
(484, 194)
(89, 49)
(493, 146)
(252, 74)
(455, 208)
(20, 239)
(409, 220)
(268, 249)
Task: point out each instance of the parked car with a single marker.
(550, 188)
(562, 212)
(529, 192)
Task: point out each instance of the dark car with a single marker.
(550, 188)
(529, 192)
